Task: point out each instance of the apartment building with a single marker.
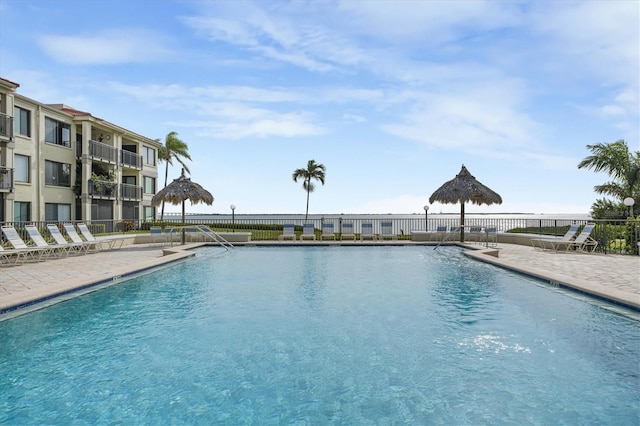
(58, 163)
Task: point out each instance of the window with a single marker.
(57, 174)
(21, 211)
(57, 212)
(57, 132)
(20, 168)
(149, 214)
(22, 121)
(149, 184)
(149, 155)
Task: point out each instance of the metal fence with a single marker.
(613, 236)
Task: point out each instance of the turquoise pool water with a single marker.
(322, 335)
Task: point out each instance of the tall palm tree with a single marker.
(621, 164)
(173, 149)
(313, 171)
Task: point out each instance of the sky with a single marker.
(393, 97)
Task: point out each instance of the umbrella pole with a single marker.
(462, 222)
(183, 235)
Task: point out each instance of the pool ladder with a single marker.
(215, 237)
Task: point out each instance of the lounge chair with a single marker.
(288, 231)
(367, 232)
(77, 239)
(28, 253)
(583, 242)
(347, 231)
(75, 248)
(387, 231)
(547, 243)
(308, 231)
(100, 242)
(475, 234)
(327, 231)
(440, 233)
(48, 249)
(157, 236)
(194, 234)
(491, 236)
(11, 257)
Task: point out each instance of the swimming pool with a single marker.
(321, 335)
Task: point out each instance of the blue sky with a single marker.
(391, 96)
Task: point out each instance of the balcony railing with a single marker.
(130, 159)
(130, 192)
(6, 127)
(102, 189)
(103, 152)
(6, 178)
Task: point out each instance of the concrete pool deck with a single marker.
(612, 277)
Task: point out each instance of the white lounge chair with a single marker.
(308, 231)
(100, 242)
(14, 239)
(40, 242)
(367, 232)
(77, 239)
(327, 231)
(583, 242)
(75, 248)
(288, 232)
(11, 257)
(347, 231)
(547, 243)
(386, 231)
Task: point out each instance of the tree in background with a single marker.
(623, 166)
(173, 149)
(313, 171)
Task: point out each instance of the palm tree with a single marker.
(173, 148)
(621, 164)
(313, 171)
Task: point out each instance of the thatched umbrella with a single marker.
(179, 191)
(462, 189)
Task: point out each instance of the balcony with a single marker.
(6, 128)
(130, 159)
(130, 192)
(103, 152)
(6, 178)
(102, 189)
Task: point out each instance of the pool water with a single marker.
(322, 335)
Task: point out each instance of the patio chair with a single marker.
(327, 231)
(10, 257)
(583, 242)
(475, 234)
(40, 242)
(547, 243)
(157, 236)
(308, 231)
(367, 232)
(100, 242)
(193, 234)
(75, 248)
(440, 233)
(14, 239)
(387, 231)
(347, 231)
(76, 239)
(491, 236)
(288, 231)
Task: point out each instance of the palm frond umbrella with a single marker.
(181, 190)
(462, 189)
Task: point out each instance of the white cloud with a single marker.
(114, 46)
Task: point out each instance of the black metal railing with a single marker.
(6, 127)
(6, 178)
(130, 159)
(103, 152)
(130, 192)
(102, 189)
(613, 236)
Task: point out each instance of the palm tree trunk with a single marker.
(306, 214)
(166, 175)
